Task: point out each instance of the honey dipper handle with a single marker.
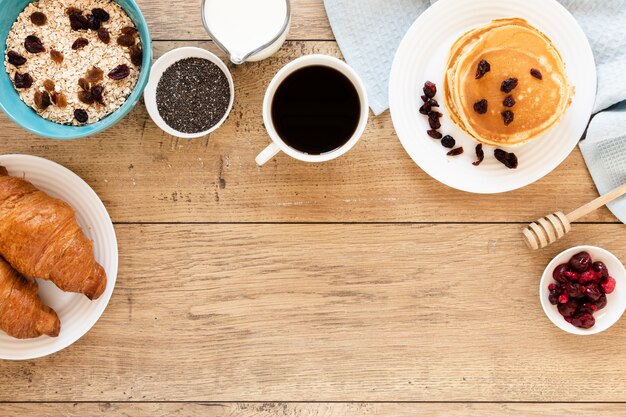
(597, 203)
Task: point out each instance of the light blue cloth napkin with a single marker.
(374, 28)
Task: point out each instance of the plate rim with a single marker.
(394, 78)
(111, 278)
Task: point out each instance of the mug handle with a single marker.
(268, 153)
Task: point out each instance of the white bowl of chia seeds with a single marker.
(190, 92)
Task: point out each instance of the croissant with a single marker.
(22, 314)
(40, 237)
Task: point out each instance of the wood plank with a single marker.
(330, 313)
(144, 175)
(309, 410)
(182, 20)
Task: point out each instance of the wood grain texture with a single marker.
(144, 175)
(309, 410)
(181, 20)
(330, 313)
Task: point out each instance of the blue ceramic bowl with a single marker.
(28, 119)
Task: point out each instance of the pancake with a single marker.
(513, 48)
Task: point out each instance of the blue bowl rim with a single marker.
(113, 118)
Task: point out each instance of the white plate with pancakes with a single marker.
(76, 312)
(423, 56)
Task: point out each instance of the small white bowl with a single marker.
(616, 301)
(159, 67)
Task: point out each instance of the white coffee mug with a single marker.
(278, 144)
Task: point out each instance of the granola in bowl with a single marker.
(73, 61)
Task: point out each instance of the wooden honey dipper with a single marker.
(551, 228)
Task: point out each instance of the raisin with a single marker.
(425, 99)
(509, 102)
(59, 99)
(23, 80)
(434, 134)
(483, 68)
(435, 115)
(508, 159)
(434, 123)
(119, 73)
(33, 44)
(430, 89)
(42, 100)
(15, 59)
(81, 115)
(100, 14)
(536, 73)
(455, 152)
(129, 30)
(97, 92)
(126, 40)
(71, 10)
(38, 19)
(481, 106)
(93, 22)
(425, 109)
(84, 84)
(85, 97)
(78, 21)
(103, 35)
(508, 116)
(48, 85)
(508, 85)
(448, 141)
(94, 75)
(136, 55)
(433, 102)
(80, 43)
(480, 154)
(56, 56)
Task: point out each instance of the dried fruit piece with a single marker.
(430, 89)
(84, 84)
(434, 134)
(78, 21)
(608, 286)
(42, 100)
(508, 159)
(103, 35)
(508, 85)
(536, 73)
(448, 142)
(97, 92)
(434, 115)
(48, 85)
(581, 262)
(136, 55)
(508, 116)
(71, 10)
(483, 68)
(568, 309)
(481, 106)
(601, 269)
(425, 109)
(455, 152)
(93, 22)
(584, 321)
(23, 80)
(33, 44)
(56, 56)
(129, 30)
(100, 14)
(80, 43)
(38, 19)
(433, 102)
(119, 73)
(508, 102)
(81, 115)
(94, 75)
(480, 154)
(434, 123)
(559, 273)
(126, 40)
(59, 99)
(85, 97)
(15, 59)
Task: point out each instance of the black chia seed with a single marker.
(192, 95)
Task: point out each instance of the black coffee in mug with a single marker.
(316, 109)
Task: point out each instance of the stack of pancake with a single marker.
(509, 52)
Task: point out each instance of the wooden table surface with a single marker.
(358, 287)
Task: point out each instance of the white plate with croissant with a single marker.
(54, 230)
